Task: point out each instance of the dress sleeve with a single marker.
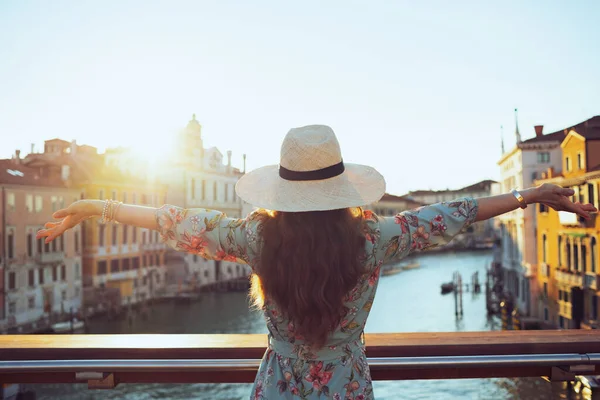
(208, 233)
(425, 227)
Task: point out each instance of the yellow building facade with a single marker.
(567, 244)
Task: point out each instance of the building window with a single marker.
(54, 246)
(545, 314)
(54, 202)
(543, 208)
(76, 237)
(575, 257)
(544, 248)
(144, 237)
(579, 161)
(101, 267)
(593, 255)
(31, 277)
(226, 192)
(114, 265)
(38, 204)
(560, 248)
(63, 272)
(61, 243)
(55, 273)
(567, 163)
(215, 190)
(594, 307)
(195, 257)
(583, 258)
(64, 295)
(543, 157)
(40, 244)
(10, 201)
(12, 281)
(126, 264)
(546, 289)
(30, 245)
(134, 235)
(534, 176)
(136, 262)
(41, 275)
(124, 234)
(31, 303)
(46, 247)
(193, 188)
(206, 273)
(11, 245)
(203, 189)
(12, 308)
(77, 271)
(101, 235)
(114, 235)
(29, 203)
(591, 194)
(568, 246)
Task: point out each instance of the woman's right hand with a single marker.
(70, 217)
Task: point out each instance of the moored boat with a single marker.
(66, 327)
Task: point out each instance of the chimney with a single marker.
(229, 158)
(539, 130)
(73, 147)
(244, 171)
(18, 156)
(32, 148)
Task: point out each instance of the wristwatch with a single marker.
(519, 198)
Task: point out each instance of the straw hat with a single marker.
(311, 176)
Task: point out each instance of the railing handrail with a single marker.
(251, 346)
(131, 365)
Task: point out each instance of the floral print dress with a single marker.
(289, 368)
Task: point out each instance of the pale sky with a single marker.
(418, 89)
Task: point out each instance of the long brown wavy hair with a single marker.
(309, 261)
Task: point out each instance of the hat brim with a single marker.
(358, 185)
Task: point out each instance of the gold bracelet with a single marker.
(114, 212)
(519, 198)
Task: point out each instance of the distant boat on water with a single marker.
(448, 287)
(76, 326)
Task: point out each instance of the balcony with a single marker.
(106, 360)
(569, 278)
(50, 258)
(590, 281)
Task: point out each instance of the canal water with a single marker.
(406, 302)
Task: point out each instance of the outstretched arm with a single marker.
(553, 196)
(140, 216)
(439, 223)
(208, 233)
